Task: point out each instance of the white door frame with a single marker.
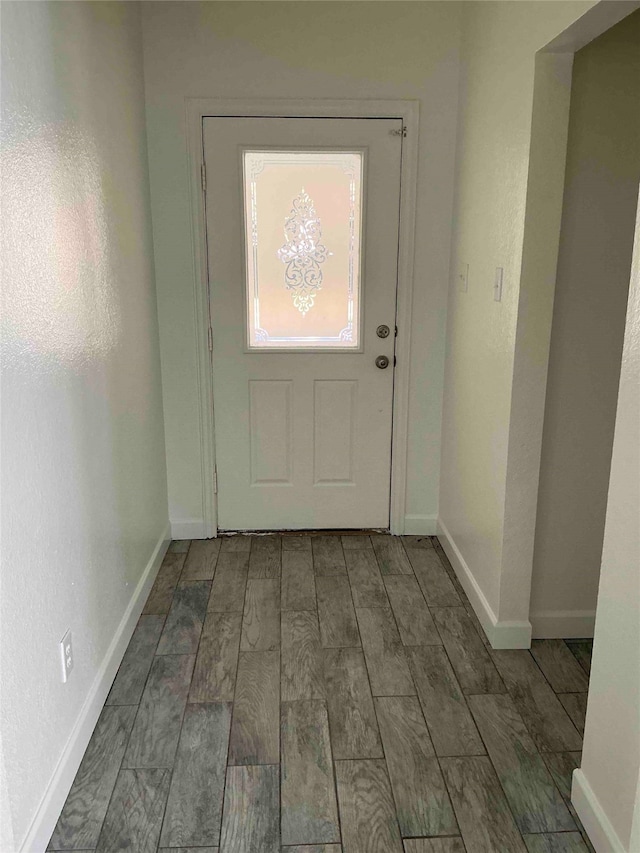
(408, 112)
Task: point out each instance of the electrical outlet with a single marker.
(497, 285)
(464, 278)
(66, 653)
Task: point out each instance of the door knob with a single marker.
(382, 361)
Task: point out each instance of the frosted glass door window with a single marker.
(302, 212)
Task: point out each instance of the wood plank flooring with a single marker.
(328, 694)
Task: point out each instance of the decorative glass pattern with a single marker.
(303, 293)
(303, 252)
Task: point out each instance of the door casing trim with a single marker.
(409, 112)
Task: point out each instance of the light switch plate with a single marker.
(463, 278)
(66, 653)
(497, 285)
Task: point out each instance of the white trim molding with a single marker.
(592, 816)
(190, 528)
(420, 525)
(501, 635)
(562, 624)
(58, 788)
(406, 110)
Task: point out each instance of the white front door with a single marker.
(302, 235)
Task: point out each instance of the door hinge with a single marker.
(400, 132)
(215, 481)
(203, 177)
(210, 337)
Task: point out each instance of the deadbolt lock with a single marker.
(382, 331)
(382, 362)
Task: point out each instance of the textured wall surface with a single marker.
(596, 241)
(299, 50)
(83, 470)
(494, 135)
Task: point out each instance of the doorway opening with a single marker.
(587, 332)
(304, 386)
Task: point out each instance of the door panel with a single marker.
(335, 418)
(302, 234)
(271, 435)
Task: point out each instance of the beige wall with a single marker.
(608, 782)
(84, 502)
(500, 41)
(601, 191)
(299, 50)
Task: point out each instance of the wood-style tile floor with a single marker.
(318, 694)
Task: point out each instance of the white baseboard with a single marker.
(51, 804)
(189, 528)
(563, 624)
(420, 525)
(501, 635)
(596, 823)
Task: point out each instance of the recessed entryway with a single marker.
(304, 217)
